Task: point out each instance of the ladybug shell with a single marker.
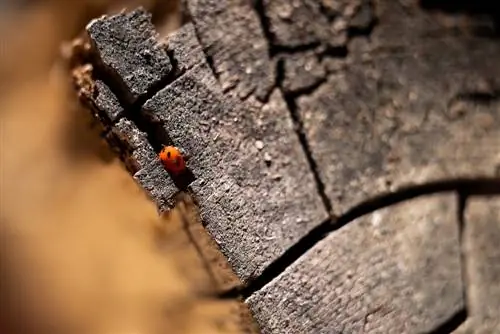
(172, 159)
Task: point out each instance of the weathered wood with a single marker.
(294, 24)
(184, 48)
(127, 48)
(405, 115)
(143, 163)
(482, 261)
(255, 189)
(396, 270)
(232, 37)
(107, 103)
(379, 109)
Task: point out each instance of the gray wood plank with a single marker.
(128, 49)
(380, 109)
(232, 37)
(396, 270)
(107, 104)
(252, 180)
(184, 48)
(251, 177)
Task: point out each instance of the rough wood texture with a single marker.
(270, 106)
(294, 24)
(239, 154)
(107, 103)
(379, 274)
(143, 163)
(482, 260)
(404, 112)
(232, 37)
(127, 48)
(184, 48)
(370, 130)
(254, 186)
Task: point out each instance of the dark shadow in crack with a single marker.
(463, 186)
(450, 325)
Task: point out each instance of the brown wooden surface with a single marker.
(294, 110)
(83, 247)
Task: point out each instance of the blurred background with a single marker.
(79, 250)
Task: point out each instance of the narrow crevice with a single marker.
(368, 20)
(290, 99)
(108, 76)
(157, 135)
(206, 50)
(260, 10)
(450, 325)
(335, 52)
(479, 97)
(281, 263)
(299, 129)
(353, 32)
(470, 186)
(294, 49)
(210, 62)
(278, 49)
(461, 207)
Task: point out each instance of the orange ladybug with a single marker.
(172, 159)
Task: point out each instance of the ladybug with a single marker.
(172, 159)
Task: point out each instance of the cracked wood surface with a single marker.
(239, 153)
(374, 107)
(127, 47)
(396, 118)
(379, 274)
